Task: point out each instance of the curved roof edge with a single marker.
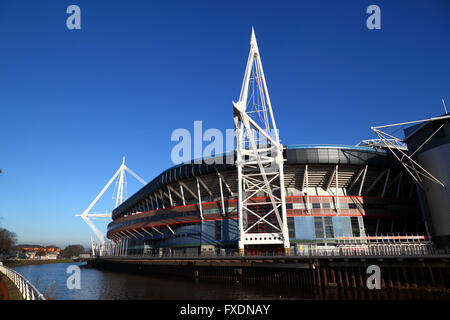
(332, 146)
(295, 154)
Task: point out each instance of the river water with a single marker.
(51, 280)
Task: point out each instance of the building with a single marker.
(313, 197)
(334, 193)
(37, 251)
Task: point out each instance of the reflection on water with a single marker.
(51, 279)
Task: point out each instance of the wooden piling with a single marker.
(421, 276)
(353, 277)
(431, 277)
(347, 277)
(390, 281)
(324, 277)
(360, 277)
(397, 282)
(413, 277)
(339, 277)
(332, 277)
(313, 276)
(383, 282)
(319, 282)
(405, 277)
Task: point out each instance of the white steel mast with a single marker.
(262, 221)
(119, 199)
(416, 171)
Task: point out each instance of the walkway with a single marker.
(8, 291)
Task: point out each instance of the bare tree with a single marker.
(7, 240)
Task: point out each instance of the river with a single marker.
(51, 280)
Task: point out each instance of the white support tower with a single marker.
(120, 175)
(262, 221)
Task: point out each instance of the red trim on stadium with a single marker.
(232, 200)
(157, 211)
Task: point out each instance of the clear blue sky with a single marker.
(73, 102)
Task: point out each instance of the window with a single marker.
(329, 232)
(212, 211)
(298, 206)
(291, 227)
(355, 226)
(316, 205)
(326, 205)
(218, 230)
(343, 205)
(352, 206)
(318, 227)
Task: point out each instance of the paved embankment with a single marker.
(8, 291)
(11, 263)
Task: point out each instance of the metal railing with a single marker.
(377, 250)
(28, 291)
(348, 250)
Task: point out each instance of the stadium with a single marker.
(303, 198)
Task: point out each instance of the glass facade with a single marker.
(183, 229)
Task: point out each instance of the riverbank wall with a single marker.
(10, 263)
(339, 272)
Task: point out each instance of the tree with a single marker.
(72, 250)
(7, 240)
